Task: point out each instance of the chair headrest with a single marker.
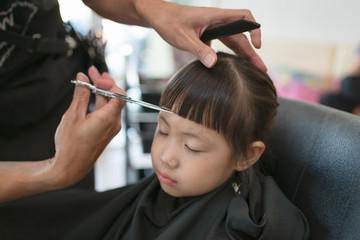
(314, 152)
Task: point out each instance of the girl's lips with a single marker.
(165, 179)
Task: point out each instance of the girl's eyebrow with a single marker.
(191, 134)
(161, 117)
(199, 137)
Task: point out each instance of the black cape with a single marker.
(144, 211)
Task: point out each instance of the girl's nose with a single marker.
(169, 157)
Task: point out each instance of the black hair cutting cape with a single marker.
(144, 211)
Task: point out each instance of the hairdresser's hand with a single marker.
(81, 137)
(182, 26)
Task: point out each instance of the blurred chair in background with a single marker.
(313, 154)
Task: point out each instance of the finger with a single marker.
(81, 95)
(107, 83)
(203, 52)
(112, 109)
(116, 104)
(207, 55)
(226, 15)
(241, 46)
(109, 120)
(256, 33)
(95, 78)
(107, 76)
(256, 38)
(94, 74)
(258, 62)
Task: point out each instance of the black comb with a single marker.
(228, 29)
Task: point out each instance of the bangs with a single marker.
(204, 96)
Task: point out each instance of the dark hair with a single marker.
(234, 98)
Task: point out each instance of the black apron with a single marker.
(144, 211)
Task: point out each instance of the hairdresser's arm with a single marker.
(182, 26)
(80, 138)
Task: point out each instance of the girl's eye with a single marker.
(162, 133)
(191, 149)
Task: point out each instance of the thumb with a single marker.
(81, 95)
(205, 54)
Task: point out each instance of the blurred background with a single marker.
(308, 47)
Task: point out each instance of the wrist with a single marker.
(149, 10)
(47, 177)
(52, 178)
(21, 179)
(62, 170)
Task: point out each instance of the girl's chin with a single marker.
(170, 190)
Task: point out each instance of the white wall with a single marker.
(332, 21)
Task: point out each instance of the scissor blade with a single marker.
(139, 102)
(111, 94)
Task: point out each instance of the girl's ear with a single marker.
(255, 151)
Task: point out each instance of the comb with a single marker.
(228, 29)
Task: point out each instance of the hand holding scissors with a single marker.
(111, 94)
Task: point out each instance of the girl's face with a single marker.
(189, 158)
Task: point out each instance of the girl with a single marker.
(205, 184)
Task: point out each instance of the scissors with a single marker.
(111, 94)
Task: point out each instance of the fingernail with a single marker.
(80, 76)
(93, 67)
(209, 60)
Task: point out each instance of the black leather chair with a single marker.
(314, 152)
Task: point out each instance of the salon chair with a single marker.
(314, 156)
